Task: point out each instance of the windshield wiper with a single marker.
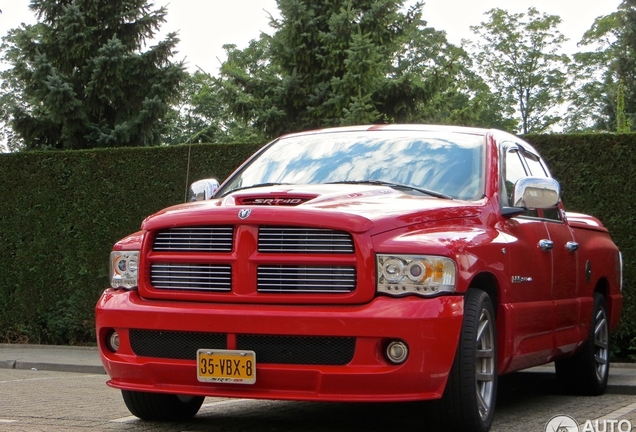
(254, 186)
(395, 186)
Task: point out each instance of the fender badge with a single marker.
(521, 279)
(244, 213)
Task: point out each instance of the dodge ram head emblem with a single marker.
(244, 213)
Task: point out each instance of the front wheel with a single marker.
(468, 402)
(587, 371)
(162, 407)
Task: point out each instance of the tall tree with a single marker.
(606, 77)
(81, 78)
(342, 62)
(201, 116)
(518, 56)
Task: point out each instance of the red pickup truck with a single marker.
(378, 263)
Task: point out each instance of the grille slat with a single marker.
(303, 240)
(195, 277)
(305, 279)
(195, 239)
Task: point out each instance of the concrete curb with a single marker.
(51, 358)
(58, 367)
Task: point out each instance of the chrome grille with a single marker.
(191, 277)
(303, 240)
(306, 279)
(195, 239)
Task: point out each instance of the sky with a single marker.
(204, 26)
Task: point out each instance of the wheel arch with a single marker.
(603, 288)
(488, 283)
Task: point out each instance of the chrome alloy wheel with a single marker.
(601, 344)
(485, 363)
(474, 369)
(587, 371)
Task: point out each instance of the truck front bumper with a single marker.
(429, 327)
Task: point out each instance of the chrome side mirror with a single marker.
(202, 190)
(536, 193)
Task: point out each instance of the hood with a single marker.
(355, 208)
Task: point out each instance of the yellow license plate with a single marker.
(226, 366)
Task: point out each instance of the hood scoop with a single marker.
(274, 199)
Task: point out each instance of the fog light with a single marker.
(396, 352)
(112, 341)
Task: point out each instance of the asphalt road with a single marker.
(63, 401)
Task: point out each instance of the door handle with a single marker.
(546, 245)
(572, 246)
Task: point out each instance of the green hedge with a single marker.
(62, 211)
(60, 214)
(597, 175)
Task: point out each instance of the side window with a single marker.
(513, 171)
(552, 214)
(536, 169)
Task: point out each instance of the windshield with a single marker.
(450, 163)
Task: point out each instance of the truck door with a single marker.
(564, 267)
(564, 286)
(530, 272)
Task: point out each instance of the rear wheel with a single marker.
(162, 407)
(587, 372)
(468, 402)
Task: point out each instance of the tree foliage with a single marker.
(605, 98)
(81, 78)
(623, 124)
(342, 62)
(202, 117)
(518, 55)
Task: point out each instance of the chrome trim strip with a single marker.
(306, 279)
(191, 277)
(195, 239)
(303, 240)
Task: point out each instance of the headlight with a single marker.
(123, 269)
(415, 274)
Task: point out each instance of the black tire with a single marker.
(468, 402)
(587, 371)
(162, 407)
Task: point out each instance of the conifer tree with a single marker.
(342, 62)
(83, 77)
